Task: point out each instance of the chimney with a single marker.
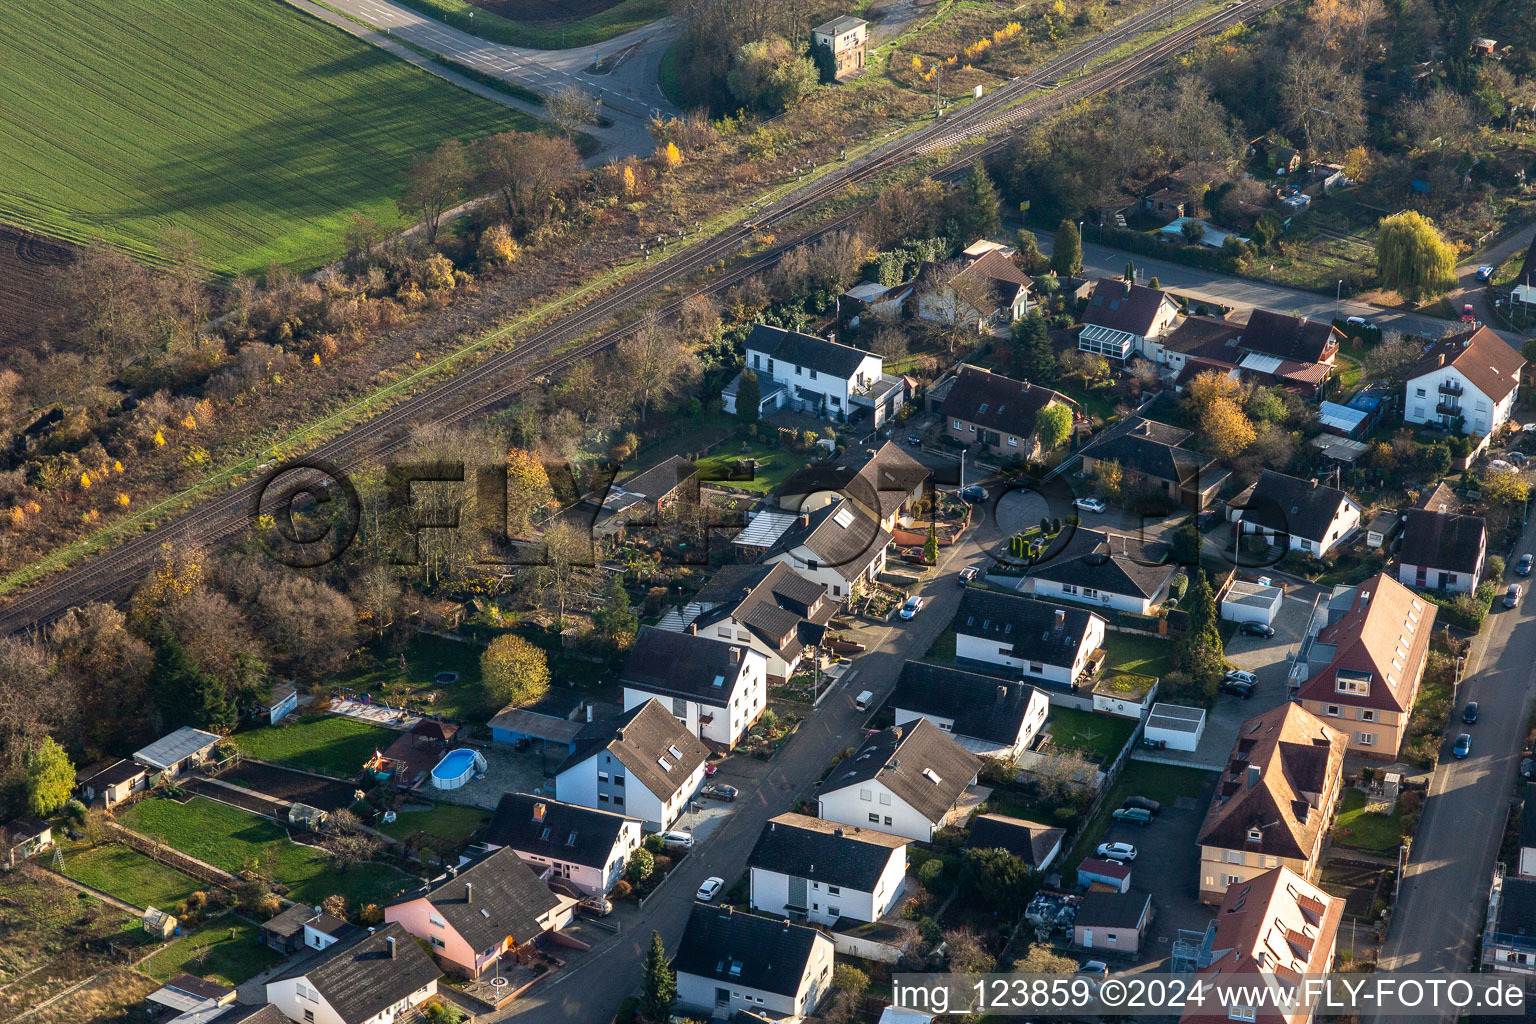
(1440, 359)
(804, 520)
(1061, 619)
(469, 892)
(389, 945)
(838, 832)
(1002, 693)
(1254, 774)
(693, 627)
(772, 825)
(538, 810)
(735, 655)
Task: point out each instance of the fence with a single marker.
(175, 858)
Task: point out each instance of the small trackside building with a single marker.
(728, 962)
(715, 688)
(586, 848)
(643, 764)
(819, 871)
(905, 780)
(1044, 643)
(988, 716)
(473, 916)
(372, 979)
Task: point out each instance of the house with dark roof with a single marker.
(303, 927)
(996, 412)
(472, 916)
(715, 688)
(1467, 383)
(822, 872)
(267, 1013)
(728, 962)
(114, 783)
(644, 764)
(906, 780)
(1273, 800)
(23, 838)
(1197, 338)
(1152, 457)
(1301, 515)
(373, 978)
(583, 847)
(1291, 337)
(989, 293)
(281, 700)
(989, 716)
(1035, 844)
(838, 546)
(817, 376)
(884, 483)
(650, 490)
(1112, 922)
(1273, 928)
(772, 609)
(1509, 940)
(1107, 570)
(1361, 672)
(190, 999)
(1442, 551)
(1121, 319)
(1041, 642)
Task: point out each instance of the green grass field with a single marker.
(246, 122)
(130, 876)
(232, 839)
(327, 744)
(225, 950)
(446, 821)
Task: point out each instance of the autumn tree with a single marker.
(1393, 359)
(526, 170)
(1226, 429)
(1053, 425)
(966, 953)
(1412, 258)
(567, 554)
(769, 75)
(515, 671)
(50, 778)
(1109, 476)
(528, 489)
(1067, 249)
(1441, 120)
(1042, 958)
(1208, 388)
(434, 184)
(654, 365)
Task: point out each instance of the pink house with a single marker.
(471, 916)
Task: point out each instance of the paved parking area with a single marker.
(1265, 658)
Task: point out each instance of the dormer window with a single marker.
(1255, 834)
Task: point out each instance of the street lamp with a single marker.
(1337, 292)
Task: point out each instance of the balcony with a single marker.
(1448, 407)
(1450, 387)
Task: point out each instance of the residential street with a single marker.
(591, 991)
(1443, 901)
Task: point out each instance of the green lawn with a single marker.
(446, 821)
(1370, 832)
(224, 950)
(464, 701)
(129, 875)
(1097, 734)
(943, 647)
(543, 35)
(774, 465)
(1350, 375)
(232, 839)
(1143, 655)
(256, 127)
(324, 743)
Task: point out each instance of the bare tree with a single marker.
(654, 363)
(572, 108)
(434, 183)
(1323, 103)
(526, 169)
(1441, 120)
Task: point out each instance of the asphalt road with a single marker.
(1442, 904)
(591, 991)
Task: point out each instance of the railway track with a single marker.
(499, 377)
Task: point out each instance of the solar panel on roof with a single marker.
(843, 517)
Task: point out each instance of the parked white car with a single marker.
(710, 888)
(1117, 851)
(677, 837)
(1090, 504)
(1238, 675)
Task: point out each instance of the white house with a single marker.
(1304, 515)
(1102, 569)
(989, 293)
(813, 375)
(587, 848)
(1467, 383)
(728, 962)
(821, 871)
(1042, 642)
(643, 764)
(988, 716)
(372, 979)
(772, 609)
(183, 749)
(837, 546)
(1442, 551)
(906, 780)
(717, 689)
(1126, 319)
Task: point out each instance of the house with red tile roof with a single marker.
(1467, 383)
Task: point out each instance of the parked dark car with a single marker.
(1469, 713)
(719, 791)
(1263, 629)
(1523, 567)
(1243, 690)
(973, 493)
(1144, 802)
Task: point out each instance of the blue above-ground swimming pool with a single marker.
(457, 768)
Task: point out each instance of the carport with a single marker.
(1178, 727)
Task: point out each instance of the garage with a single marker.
(1251, 602)
(1174, 726)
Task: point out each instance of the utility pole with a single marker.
(938, 91)
(1337, 292)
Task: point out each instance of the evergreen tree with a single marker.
(659, 987)
(614, 619)
(1202, 633)
(981, 214)
(185, 692)
(931, 546)
(1034, 358)
(1067, 253)
(748, 395)
(1130, 271)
